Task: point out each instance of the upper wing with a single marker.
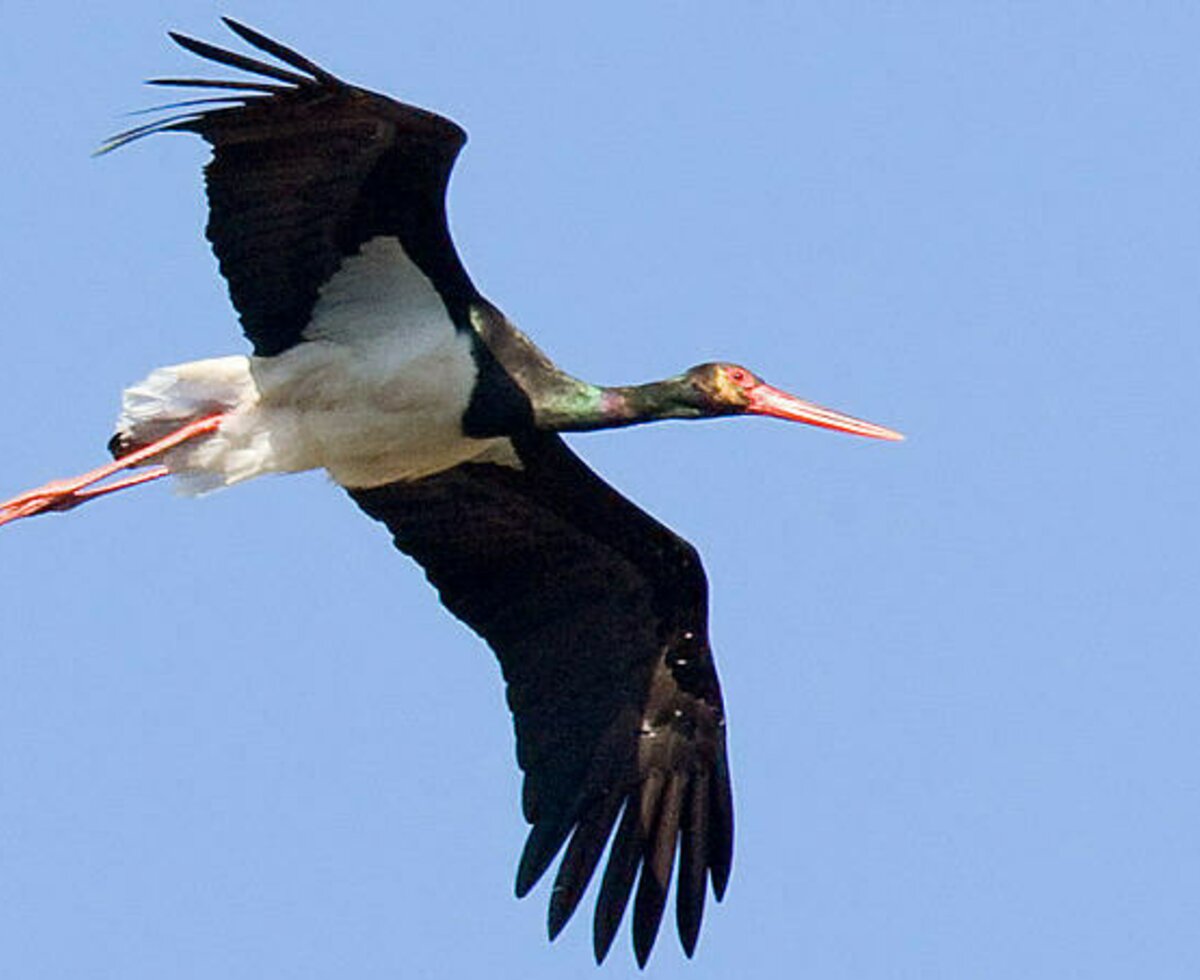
(598, 615)
(305, 170)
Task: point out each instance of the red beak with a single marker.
(765, 400)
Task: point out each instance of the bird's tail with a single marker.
(171, 397)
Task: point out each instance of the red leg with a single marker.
(66, 494)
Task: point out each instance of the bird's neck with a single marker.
(576, 406)
(560, 402)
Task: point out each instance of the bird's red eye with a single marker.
(739, 376)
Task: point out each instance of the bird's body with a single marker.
(377, 360)
(371, 405)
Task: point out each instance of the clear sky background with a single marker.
(239, 737)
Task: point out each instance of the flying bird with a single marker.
(376, 359)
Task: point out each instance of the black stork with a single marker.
(377, 359)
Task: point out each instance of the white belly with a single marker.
(366, 414)
(316, 405)
(375, 394)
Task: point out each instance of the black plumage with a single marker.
(303, 174)
(598, 615)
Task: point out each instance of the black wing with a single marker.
(598, 615)
(305, 170)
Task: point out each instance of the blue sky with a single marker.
(240, 738)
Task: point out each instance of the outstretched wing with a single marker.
(306, 169)
(598, 615)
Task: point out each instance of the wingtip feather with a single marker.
(232, 59)
(618, 880)
(720, 844)
(545, 840)
(281, 51)
(657, 863)
(579, 863)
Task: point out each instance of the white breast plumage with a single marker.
(375, 393)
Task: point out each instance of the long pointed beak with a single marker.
(765, 400)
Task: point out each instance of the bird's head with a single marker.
(729, 389)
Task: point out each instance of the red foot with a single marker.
(66, 494)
